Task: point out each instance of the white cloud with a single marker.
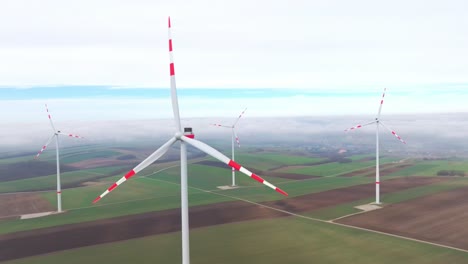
(293, 44)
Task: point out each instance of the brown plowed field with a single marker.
(23, 203)
(40, 241)
(440, 218)
(324, 199)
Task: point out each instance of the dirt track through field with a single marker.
(46, 240)
(440, 218)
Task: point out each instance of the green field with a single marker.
(151, 191)
(76, 157)
(50, 181)
(389, 198)
(290, 240)
(208, 177)
(430, 168)
(336, 168)
(266, 161)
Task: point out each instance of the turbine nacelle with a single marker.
(188, 132)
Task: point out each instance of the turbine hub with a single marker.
(178, 135)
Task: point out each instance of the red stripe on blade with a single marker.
(169, 21)
(281, 191)
(257, 178)
(97, 199)
(129, 174)
(234, 164)
(59, 192)
(113, 186)
(170, 45)
(172, 69)
(377, 182)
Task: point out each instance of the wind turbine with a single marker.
(56, 136)
(233, 136)
(184, 138)
(378, 122)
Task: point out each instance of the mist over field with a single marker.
(425, 134)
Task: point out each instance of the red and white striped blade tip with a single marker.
(254, 176)
(352, 128)
(282, 192)
(398, 137)
(113, 186)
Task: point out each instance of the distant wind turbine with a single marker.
(56, 136)
(233, 137)
(184, 138)
(378, 122)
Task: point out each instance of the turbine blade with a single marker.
(216, 154)
(394, 133)
(50, 118)
(381, 103)
(175, 101)
(237, 138)
(358, 126)
(237, 120)
(219, 125)
(45, 146)
(148, 161)
(70, 135)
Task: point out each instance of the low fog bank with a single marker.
(431, 134)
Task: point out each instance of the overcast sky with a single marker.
(237, 44)
(315, 58)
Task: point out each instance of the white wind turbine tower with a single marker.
(236, 138)
(378, 122)
(56, 136)
(184, 138)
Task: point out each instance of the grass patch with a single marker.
(335, 168)
(430, 168)
(50, 182)
(389, 198)
(102, 211)
(275, 241)
(76, 157)
(266, 161)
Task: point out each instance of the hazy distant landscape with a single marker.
(324, 181)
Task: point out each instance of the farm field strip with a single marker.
(327, 222)
(334, 168)
(340, 224)
(399, 236)
(50, 181)
(332, 221)
(301, 242)
(245, 196)
(430, 168)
